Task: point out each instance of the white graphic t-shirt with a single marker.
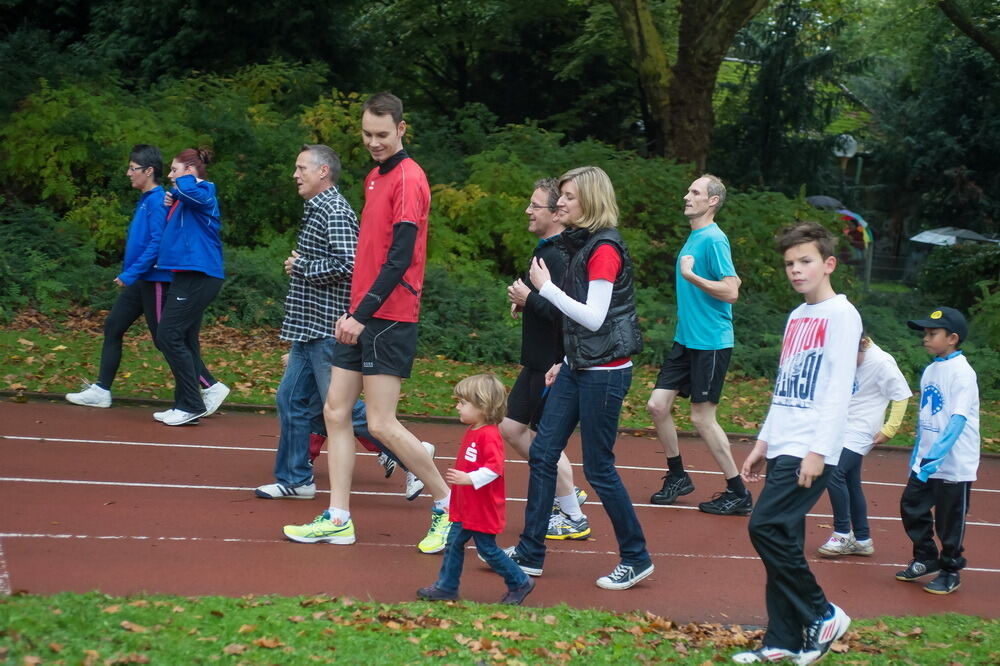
(948, 387)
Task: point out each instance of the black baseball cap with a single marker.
(947, 318)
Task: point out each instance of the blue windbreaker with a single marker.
(191, 239)
(142, 245)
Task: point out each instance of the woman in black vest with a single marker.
(600, 333)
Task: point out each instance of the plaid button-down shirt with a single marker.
(320, 287)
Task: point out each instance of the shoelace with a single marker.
(620, 571)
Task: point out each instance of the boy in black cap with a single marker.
(945, 455)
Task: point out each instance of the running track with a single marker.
(94, 499)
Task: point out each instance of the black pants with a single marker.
(139, 298)
(777, 530)
(950, 502)
(177, 335)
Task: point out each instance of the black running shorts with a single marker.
(698, 373)
(527, 398)
(385, 348)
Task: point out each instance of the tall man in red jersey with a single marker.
(377, 337)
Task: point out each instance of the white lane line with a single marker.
(561, 552)
(183, 486)
(513, 461)
(4, 574)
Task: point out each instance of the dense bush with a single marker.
(952, 273)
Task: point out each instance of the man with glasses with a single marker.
(541, 348)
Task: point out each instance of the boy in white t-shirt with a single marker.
(945, 455)
(877, 382)
(801, 442)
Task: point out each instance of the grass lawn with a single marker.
(96, 629)
(44, 356)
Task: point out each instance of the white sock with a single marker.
(843, 535)
(442, 504)
(339, 516)
(570, 505)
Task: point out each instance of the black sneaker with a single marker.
(435, 593)
(673, 487)
(516, 596)
(946, 582)
(728, 503)
(918, 569)
(822, 633)
(624, 576)
(518, 560)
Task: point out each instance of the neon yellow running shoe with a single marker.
(322, 530)
(437, 535)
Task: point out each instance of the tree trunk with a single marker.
(957, 15)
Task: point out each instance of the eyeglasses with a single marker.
(533, 206)
(132, 169)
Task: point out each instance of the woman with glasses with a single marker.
(600, 334)
(191, 249)
(144, 286)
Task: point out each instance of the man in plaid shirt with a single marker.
(319, 290)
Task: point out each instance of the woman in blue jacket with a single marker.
(192, 250)
(144, 285)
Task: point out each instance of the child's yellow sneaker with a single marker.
(322, 530)
(437, 535)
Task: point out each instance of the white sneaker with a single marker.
(838, 544)
(92, 396)
(281, 491)
(415, 486)
(176, 417)
(214, 396)
(159, 416)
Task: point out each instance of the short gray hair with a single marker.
(324, 156)
(551, 188)
(715, 188)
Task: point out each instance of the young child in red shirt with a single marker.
(478, 509)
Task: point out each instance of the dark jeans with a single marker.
(592, 398)
(847, 497)
(950, 502)
(177, 336)
(778, 531)
(139, 298)
(486, 544)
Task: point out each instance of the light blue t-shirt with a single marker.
(704, 322)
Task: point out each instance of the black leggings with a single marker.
(139, 298)
(177, 336)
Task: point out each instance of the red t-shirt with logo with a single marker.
(400, 195)
(482, 509)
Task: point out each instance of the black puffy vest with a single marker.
(619, 336)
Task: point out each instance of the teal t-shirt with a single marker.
(704, 322)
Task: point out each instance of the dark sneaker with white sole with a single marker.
(728, 503)
(516, 596)
(917, 570)
(946, 582)
(764, 655)
(673, 487)
(821, 634)
(518, 560)
(624, 576)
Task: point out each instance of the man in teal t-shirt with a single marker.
(707, 287)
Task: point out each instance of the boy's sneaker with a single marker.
(516, 596)
(764, 655)
(821, 634)
(917, 570)
(281, 491)
(435, 593)
(581, 498)
(388, 464)
(837, 544)
(562, 526)
(512, 553)
(624, 577)
(214, 396)
(178, 417)
(673, 487)
(321, 530)
(415, 486)
(92, 396)
(437, 535)
(946, 582)
(728, 503)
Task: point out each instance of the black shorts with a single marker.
(698, 373)
(385, 347)
(527, 399)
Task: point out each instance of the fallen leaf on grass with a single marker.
(246, 628)
(234, 648)
(269, 643)
(133, 627)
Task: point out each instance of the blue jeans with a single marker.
(486, 544)
(847, 497)
(300, 400)
(592, 398)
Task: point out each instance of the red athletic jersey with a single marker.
(400, 195)
(483, 509)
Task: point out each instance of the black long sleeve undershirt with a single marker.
(398, 259)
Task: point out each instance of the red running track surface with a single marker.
(110, 500)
